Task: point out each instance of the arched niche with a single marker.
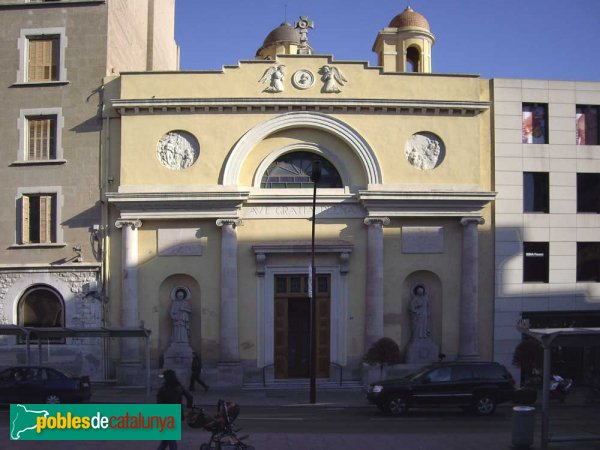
(433, 286)
(165, 294)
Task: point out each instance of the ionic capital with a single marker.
(132, 223)
(381, 221)
(233, 222)
(472, 220)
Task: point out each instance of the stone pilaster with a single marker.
(468, 346)
(230, 372)
(374, 289)
(130, 365)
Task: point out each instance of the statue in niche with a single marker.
(181, 310)
(332, 79)
(420, 309)
(275, 76)
(175, 151)
(423, 151)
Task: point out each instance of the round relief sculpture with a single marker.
(424, 151)
(303, 79)
(177, 150)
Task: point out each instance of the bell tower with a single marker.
(405, 44)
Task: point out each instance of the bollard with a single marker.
(523, 424)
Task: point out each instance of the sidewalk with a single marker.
(244, 397)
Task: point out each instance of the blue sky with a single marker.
(547, 39)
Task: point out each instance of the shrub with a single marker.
(384, 351)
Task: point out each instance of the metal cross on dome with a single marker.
(303, 25)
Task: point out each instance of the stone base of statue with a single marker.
(422, 351)
(230, 374)
(178, 357)
(130, 373)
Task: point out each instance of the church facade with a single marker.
(209, 225)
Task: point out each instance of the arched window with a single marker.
(293, 170)
(40, 306)
(413, 55)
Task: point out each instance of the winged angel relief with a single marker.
(275, 76)
(332, 78)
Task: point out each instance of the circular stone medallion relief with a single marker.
(303, 79)
(424, 151)
(177, 150)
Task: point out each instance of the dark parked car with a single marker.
(36, 384)
(478, 386)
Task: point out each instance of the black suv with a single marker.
(479, 386)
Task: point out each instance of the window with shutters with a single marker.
(42, 56)
(38, 214)
(41, 138)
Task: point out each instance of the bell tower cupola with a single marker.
(405, 44)
(287, 40)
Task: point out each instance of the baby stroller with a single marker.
(223, 436)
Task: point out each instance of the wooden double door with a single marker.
(292, 326)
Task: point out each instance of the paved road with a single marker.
(328, 427)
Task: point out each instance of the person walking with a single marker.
(172, 392)
(196, 371)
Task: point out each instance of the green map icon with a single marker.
(24, 420)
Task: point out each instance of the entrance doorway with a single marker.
(292, 326)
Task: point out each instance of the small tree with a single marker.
(383, 351)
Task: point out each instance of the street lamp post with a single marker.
(315, 176)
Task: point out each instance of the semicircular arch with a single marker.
(336, 127)
(304, 147)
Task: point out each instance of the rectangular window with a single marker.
(41, 138)
(43, 58)
(536, 196)
(535, 123)
(588, 192)
(38, 218)
(536, 262)
(588, 261)
(586, 125)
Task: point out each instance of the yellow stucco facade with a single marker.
(419, 214)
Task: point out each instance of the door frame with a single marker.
(266, 312)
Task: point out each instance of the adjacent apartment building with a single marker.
(53, 57)
(547, 175)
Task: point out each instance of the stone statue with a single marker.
(275, 76)
(420, 309)
(181, 310)
(332, 79)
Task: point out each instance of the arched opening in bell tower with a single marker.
(413, 57)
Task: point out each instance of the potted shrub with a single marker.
(383, 352)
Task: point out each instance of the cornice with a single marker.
(425, 204)
(178, 205)
(283, 105)
(36, 268)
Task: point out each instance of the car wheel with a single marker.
(383, 408)
(52, 399)
(397, 406)
(485, 404)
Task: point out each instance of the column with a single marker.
(129, 286)
(374, 289)
(468, 346)
(229, 336)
